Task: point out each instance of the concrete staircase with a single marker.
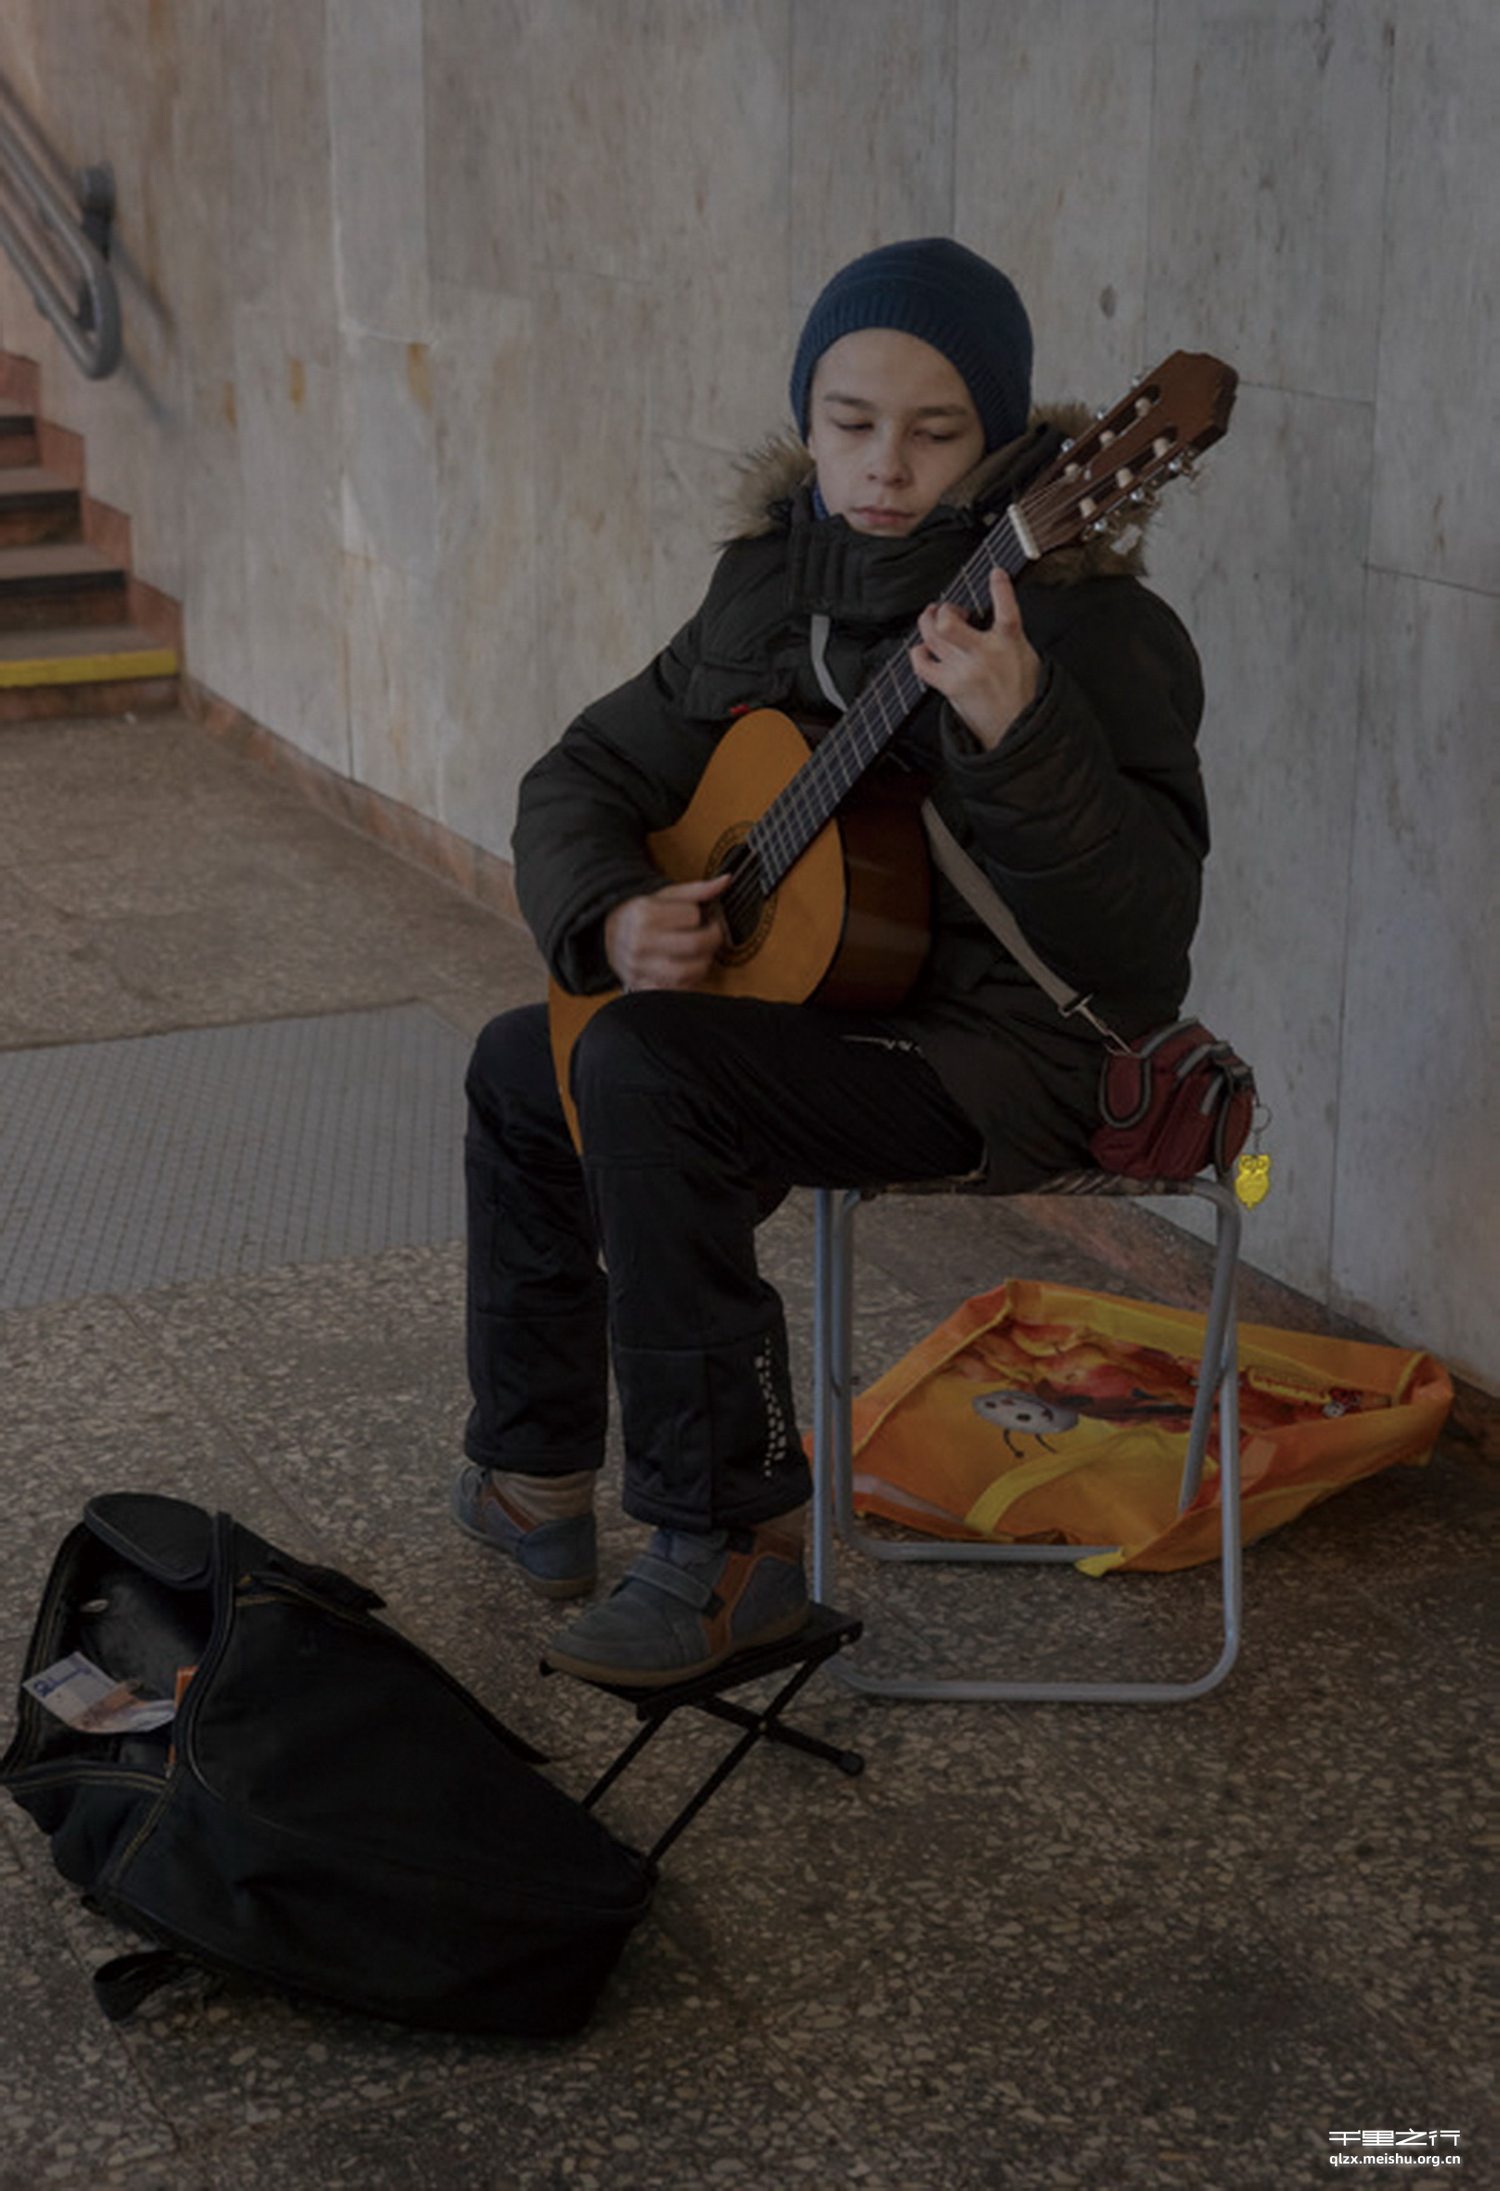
(72, 639)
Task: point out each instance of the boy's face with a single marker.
(891, 427)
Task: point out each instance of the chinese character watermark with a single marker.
(1395, 2149)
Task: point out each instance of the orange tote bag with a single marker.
(1049, 1414)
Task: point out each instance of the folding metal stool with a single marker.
(825, 1633)
(833, 1461)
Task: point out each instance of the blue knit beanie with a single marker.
(950, 297)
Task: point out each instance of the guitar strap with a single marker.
(968, 878)
(818, 636)
(973, 884)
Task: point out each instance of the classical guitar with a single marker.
(830, 896)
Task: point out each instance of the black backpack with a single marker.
(329, 1811)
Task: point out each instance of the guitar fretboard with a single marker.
(820, 786)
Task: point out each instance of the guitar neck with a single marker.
(1178, 410)
(820, 787)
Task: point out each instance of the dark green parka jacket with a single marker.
(1088, 816)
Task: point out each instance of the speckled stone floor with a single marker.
(1043, 1946)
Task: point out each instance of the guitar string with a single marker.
(778, 839)
(807, 803)
(836, 765)
(811, 798)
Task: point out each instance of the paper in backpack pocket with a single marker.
(94, 1702)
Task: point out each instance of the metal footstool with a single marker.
(817, 1643)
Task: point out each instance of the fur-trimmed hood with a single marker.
(771, 475)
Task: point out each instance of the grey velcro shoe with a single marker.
(685, 1605)
(556, 1559)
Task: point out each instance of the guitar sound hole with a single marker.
(744, 905)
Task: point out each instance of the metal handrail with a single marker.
(88, 320)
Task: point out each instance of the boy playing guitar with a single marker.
(1052, 722)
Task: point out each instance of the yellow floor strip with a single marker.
(90, 669)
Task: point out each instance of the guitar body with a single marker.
(847, 926)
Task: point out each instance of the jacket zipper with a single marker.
(96, 1775)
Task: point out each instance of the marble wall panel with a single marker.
(141, 429)
(595, 343)
(1416, 1244)
(691, 496)
(19, 326)
(21, 102)
(389, 483)
(720, 375)
(378, 119)
(301, 153)
(53, 53)
(721, 208)
(486, 586)
(21, 57)
(1052, 176)
(394, 681)
(143, 74)
(722, 80)
(477, 92)
(591, 82)
(872, 130)
(289, 430)
(216, 622)
(251, 146)
(489, 714)
(1438, 416)
(22, 98)
(161, 219)
(481, 395)
(205, 249)
(136, 440)
(1262, 560)
(1268, 187)
(245, 161)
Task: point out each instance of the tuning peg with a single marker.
(1139, 495)
(1067, 445)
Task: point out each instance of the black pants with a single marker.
(698, 1113)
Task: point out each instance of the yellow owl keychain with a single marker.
(1252, 1172)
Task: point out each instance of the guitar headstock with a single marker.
(1123, 459)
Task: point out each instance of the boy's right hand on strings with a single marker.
(667, 938)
